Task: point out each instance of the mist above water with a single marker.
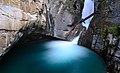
(51, 57)
(76, 39)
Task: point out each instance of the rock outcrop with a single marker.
(103, 35)
(58, 18)
(14, 15)
(63, 13)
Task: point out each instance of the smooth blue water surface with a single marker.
(51, 57)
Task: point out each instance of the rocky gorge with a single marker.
(61, 19)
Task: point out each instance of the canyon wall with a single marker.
(103, 34)
(58, 18)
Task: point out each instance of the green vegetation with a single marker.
(105, 28)
(115, 30)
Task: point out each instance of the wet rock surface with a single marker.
(103, 33)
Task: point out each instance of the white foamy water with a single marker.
(76, 39)
(65, 52)
(88, 9)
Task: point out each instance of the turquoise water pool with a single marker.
(51, 57)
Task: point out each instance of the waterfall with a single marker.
(76, 39)
(87, 10)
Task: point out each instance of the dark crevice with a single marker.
(75, 5)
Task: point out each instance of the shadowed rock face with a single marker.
(64, 12)
(51, 57)
(97, 35)
(107, 13)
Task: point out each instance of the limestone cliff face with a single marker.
(28, 6)
(103, 33)
(58, 18)
(14, 14)
(62, 14)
